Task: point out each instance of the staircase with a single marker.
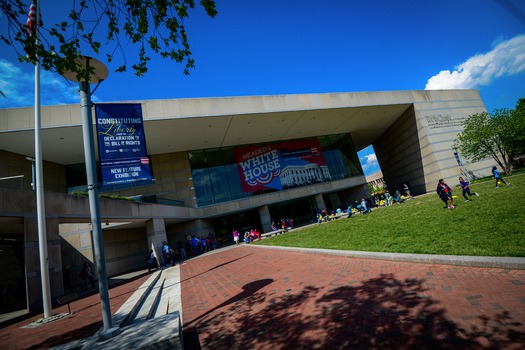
(150, 318)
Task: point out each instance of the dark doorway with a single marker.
(243, 221)
(12, 276)
(302, 211)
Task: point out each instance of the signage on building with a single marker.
(445, 120)
(281, 166)
(122, 144)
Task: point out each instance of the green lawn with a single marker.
(490, 225)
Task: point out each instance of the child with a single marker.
(407, 191)
(364, 208)
(445, 193)
(466, 189)
(388, 198)
(498, 177)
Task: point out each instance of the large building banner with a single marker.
(122, 144)
(281, 166)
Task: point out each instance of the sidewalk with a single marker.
(84, 321)
(263, 298)
(252, 297)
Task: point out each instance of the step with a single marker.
(158, 333)
(170, 300)
(149, 304)
(131, 306)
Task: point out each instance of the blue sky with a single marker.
(294, 47)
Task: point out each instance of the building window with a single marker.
(216, 177)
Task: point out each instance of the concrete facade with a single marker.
(412, 133)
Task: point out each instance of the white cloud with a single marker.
(369, 161)
(18, 87)
(507, 58)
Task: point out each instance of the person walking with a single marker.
(236, 236)
(445, 193)
(466, 189)
(407, 191)
(165, 254)
(151, 260)
(364, 206)
(498, 177)
(87, 275)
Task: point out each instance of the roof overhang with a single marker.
(190, 124)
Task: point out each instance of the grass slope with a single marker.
(490, 225)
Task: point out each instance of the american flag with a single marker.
(31, 20)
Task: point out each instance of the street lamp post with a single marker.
(100, 72)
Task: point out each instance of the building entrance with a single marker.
(12, 276)
(244, 221)
(302, 211)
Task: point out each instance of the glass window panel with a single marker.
(228, 156)
(202, 184)
(234, 181)
(221, 181)
(197, 159)
(214, 157)
(219, 184)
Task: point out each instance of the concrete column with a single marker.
(320, 201)
(156, 231)
(266, 220)
(33, 284)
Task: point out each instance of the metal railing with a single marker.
(21, 177)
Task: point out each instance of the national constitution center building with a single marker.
(216, 164)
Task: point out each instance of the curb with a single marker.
(510, 263)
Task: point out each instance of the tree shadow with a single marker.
(248, 290)
(380, 313)
(72, 335)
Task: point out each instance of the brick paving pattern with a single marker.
(260, 298)
(86, 320)
(249, 297)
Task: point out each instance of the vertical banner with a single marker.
(122, 144)
(281, 166)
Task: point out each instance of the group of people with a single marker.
(284, 224)
(191, 246)
(86, 275)
(249, 236)
(445, 192)
(387, 199)
(326, 215)
(364, 207)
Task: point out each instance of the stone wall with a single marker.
(12, 164)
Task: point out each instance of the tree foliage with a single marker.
(500, 135)
(104, 27)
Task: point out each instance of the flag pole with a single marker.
(40, 205)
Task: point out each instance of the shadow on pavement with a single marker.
(76, 334)
(381, 313)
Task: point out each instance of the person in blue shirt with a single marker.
(498, 177)
(165, 253)
(364, 207)
(466, 189)
(388, 198)
(397, 198)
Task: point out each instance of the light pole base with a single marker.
(109, 333)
